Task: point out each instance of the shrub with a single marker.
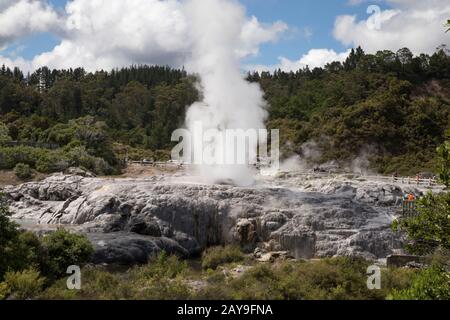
(161, 266)
(96, 284)
(216, 256)
(164, 289)
(428, 230)
(161, 278)
(27, 252)
(4, 134)
(9, 234)
(50, 162)
(430, 284)
(334, 279)
(23, 171)
(63, 249)
(4, 290)
(23, 285)
(80, 157)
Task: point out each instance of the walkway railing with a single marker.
(43, 145)
(403, 180)
(409, 208)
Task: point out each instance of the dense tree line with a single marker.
(394, 104)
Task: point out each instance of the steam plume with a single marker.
(229, 101)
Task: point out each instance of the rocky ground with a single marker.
(130, 219)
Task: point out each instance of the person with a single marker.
(411, 197)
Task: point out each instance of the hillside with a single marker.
(392, 109)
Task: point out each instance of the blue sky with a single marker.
(312, 32)
(316, 16)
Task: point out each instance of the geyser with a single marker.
(228, 100)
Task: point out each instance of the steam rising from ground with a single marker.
(229, 101)
(310, 157)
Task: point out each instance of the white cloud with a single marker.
(104, 34)
(314, 58)
(415, 24)
(253, 34)
(23, 64)
(23, 17)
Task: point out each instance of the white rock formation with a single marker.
(130, 219)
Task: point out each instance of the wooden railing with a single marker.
(43, 145)
(402, 180)
(409, 208)
(151, 163)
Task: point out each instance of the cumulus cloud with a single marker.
(415, 24)
(19, 18)
(253, 34)
(314, 58)
(106, 34)
(19, 62)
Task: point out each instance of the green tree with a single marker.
(430, 229)
(8, 238)
(23, 171)
(63, 249)
(4, 134)
(18, 250)
(430, 284)
(22, 285)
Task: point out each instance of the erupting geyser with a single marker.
(228, 100)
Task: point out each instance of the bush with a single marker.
(4, 290)
(161, 266)
(9, 234)
(328, 279)
(80, 157)
(430, 284)
(161, 278)
(428, 230)
(50, 162)
(164, 289)
(63, 249)
(4, 134)
(96, 284)
(22, 285)
(23, 171)
(216, 256)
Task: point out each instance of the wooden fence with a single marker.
(43, 145)
(403, 180)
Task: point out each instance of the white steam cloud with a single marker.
(107, 34)
(229, 101)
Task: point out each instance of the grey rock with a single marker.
(309, 216)
(129, 249)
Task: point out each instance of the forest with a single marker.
(392, 106)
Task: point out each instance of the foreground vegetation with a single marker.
(28, 263)
(392, 108)
(33, 267)
(168, 278)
